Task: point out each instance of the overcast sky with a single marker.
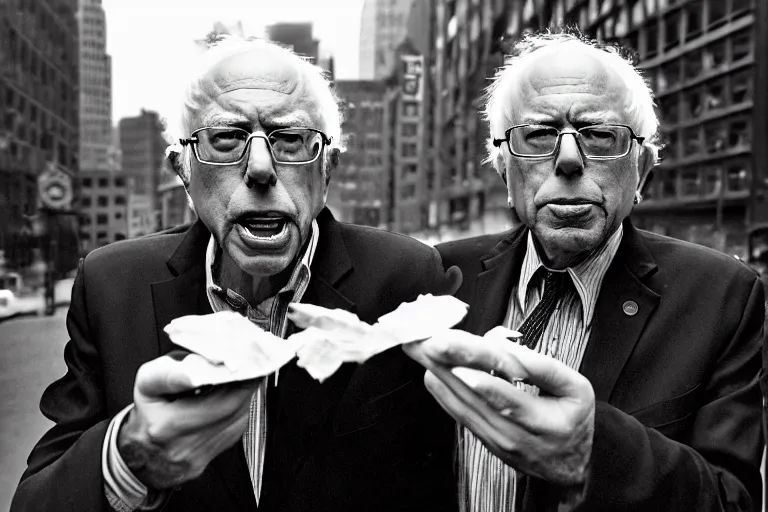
(149, 39)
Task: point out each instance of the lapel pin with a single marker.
(630, 308)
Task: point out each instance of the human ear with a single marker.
(647, 160)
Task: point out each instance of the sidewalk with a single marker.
(34, 304)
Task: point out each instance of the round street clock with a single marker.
(55, 188)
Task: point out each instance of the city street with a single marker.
(32, 357)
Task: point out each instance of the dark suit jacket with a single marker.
(677, 420)
(369, 438)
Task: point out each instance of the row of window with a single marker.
(87, 182)
(700, 182)
(714, 58)
(103, 201)
(102, 219)
(712, 137)
(673, 28)
(734, 89)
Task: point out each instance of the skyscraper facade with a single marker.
(38, 117)
(383, 27)
(95, 88)
(143, 149)
(358, 185)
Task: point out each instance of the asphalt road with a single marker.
(31, 357)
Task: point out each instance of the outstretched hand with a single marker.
(547, 436)
(167, 441)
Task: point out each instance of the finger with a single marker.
(162, 376)
(503, 438)
(509, 359)
(503, 396)
(503, 332)
(457, 408)
(191, 416)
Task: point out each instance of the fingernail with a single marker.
(467, 375)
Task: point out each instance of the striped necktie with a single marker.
(534, 325)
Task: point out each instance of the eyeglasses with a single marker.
(222, 145)
(597, 142)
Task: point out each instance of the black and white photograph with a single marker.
(383, 255)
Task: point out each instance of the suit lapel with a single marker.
(623, 308)
(185, 293)
(494, 284)
(300, 408)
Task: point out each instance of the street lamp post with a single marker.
(56, 193)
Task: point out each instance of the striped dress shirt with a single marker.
(486, 483)
(124, 492)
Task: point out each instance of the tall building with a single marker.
(382, 29)
(699, 56)
(468, 197)
(95, 88)
(358, 184)
(103, 215)
(404, 145)
(38, 120)
(297, 36)
(143, 150)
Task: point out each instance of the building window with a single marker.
(103, 183)
(671, 31)
(101, 219)
(87, 182)
(85, 201)
(712, 181)
(693, 100)
(714, 97)
(410, 129)
(411, 169)
(85, 221)
(739, 135)
(103, 201)
(715, 136)
(409, 149)
(741, 45)
(669, 109)
(715, 55)
(410, 109)
(741, 87)
(690, 184)
(119, 200)
(691, 141)
(736, 177)
(668, 183)
(118, 215)
(119, 182)
(409, 191)
(372, 142)
(693, 65)
(693, 14)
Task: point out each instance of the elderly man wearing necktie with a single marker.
(634, 385)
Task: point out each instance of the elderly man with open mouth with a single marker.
(260, 141)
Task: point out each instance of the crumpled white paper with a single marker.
(237, 349)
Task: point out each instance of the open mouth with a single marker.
(263, 227)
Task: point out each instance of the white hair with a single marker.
(498, 107)
(198, 93)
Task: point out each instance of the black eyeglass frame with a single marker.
(193, 140)
(633, 136)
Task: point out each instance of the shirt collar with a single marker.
(211, 261)
(587, 276)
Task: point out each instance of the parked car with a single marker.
(10, 285)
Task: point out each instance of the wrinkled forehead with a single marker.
(269, 83)
(569, 82)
